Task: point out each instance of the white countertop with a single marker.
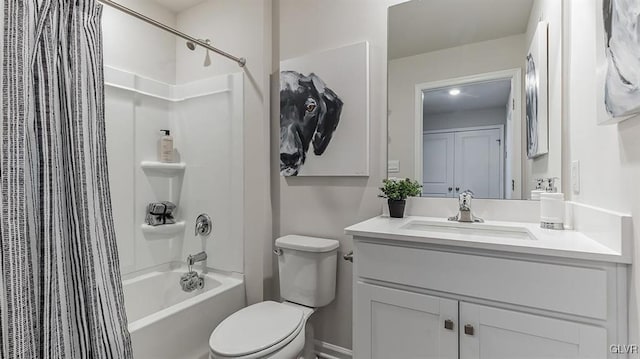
(547, 242)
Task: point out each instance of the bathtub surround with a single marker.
(61, 294)
(206, 121)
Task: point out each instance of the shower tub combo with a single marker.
(165, 322)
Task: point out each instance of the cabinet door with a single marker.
(504, 334)
(437, 164)
(391, 323)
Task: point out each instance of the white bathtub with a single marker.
(167, 323)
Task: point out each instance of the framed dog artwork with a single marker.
(324, 113)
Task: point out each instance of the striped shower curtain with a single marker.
(60, 288)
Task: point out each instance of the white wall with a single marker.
(405, 73)
(242, 28)
(324, 206)
(609, 155)
(462, 119)
(135, 46)
(549, 165)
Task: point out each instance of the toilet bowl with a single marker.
(307, 272)
(263, 330)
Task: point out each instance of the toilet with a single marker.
(307, 272)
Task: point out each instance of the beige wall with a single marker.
(609, 155)
(405, 73)
(324, 206)
(242, 28)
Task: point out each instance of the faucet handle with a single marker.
(203, 225)
(464, 200)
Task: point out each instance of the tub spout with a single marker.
(192, 259)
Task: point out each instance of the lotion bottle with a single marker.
(166, 147)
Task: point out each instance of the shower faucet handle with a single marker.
(204, 225)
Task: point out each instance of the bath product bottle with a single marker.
(535, 194)
(166, 147)
(552, 207)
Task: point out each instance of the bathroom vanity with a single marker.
(429, 288)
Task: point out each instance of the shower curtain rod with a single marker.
(240, 60)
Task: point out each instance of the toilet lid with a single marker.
(255, 328)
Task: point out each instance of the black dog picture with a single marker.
(309, 115)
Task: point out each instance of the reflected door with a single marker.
(437, 164)
(478, 162)
(466, 159)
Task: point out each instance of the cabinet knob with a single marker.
(448, 324)
(468, 329)
(450, 189)
(457, 189)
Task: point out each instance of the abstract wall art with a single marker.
(536, 78)
(621, 21)
(324, 113)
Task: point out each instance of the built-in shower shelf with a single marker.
(164, 230)
(162, 168)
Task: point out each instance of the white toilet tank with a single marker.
(307, 268)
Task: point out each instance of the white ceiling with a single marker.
(472, 97)
(177, 6)
(421, 26)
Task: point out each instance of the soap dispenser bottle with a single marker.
(535, 194)
(552, 206)
(166, 147)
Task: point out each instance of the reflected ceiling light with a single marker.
(454, 92)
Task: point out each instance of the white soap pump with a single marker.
(552, 206)
(535, 193)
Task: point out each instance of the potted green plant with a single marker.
(396, 191)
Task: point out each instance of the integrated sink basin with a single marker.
(470, 229)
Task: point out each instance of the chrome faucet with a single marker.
(199, 257)
(464, 209)
(191, 280)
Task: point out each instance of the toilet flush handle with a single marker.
(277, 251)
(348, 257)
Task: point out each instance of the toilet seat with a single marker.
(257, 330)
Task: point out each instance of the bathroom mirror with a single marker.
(459, 75)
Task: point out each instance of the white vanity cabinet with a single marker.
(415, 300)
(394, 323)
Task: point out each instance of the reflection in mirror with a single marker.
(456, 104)
(467, 139)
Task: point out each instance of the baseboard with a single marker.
(330, 351)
